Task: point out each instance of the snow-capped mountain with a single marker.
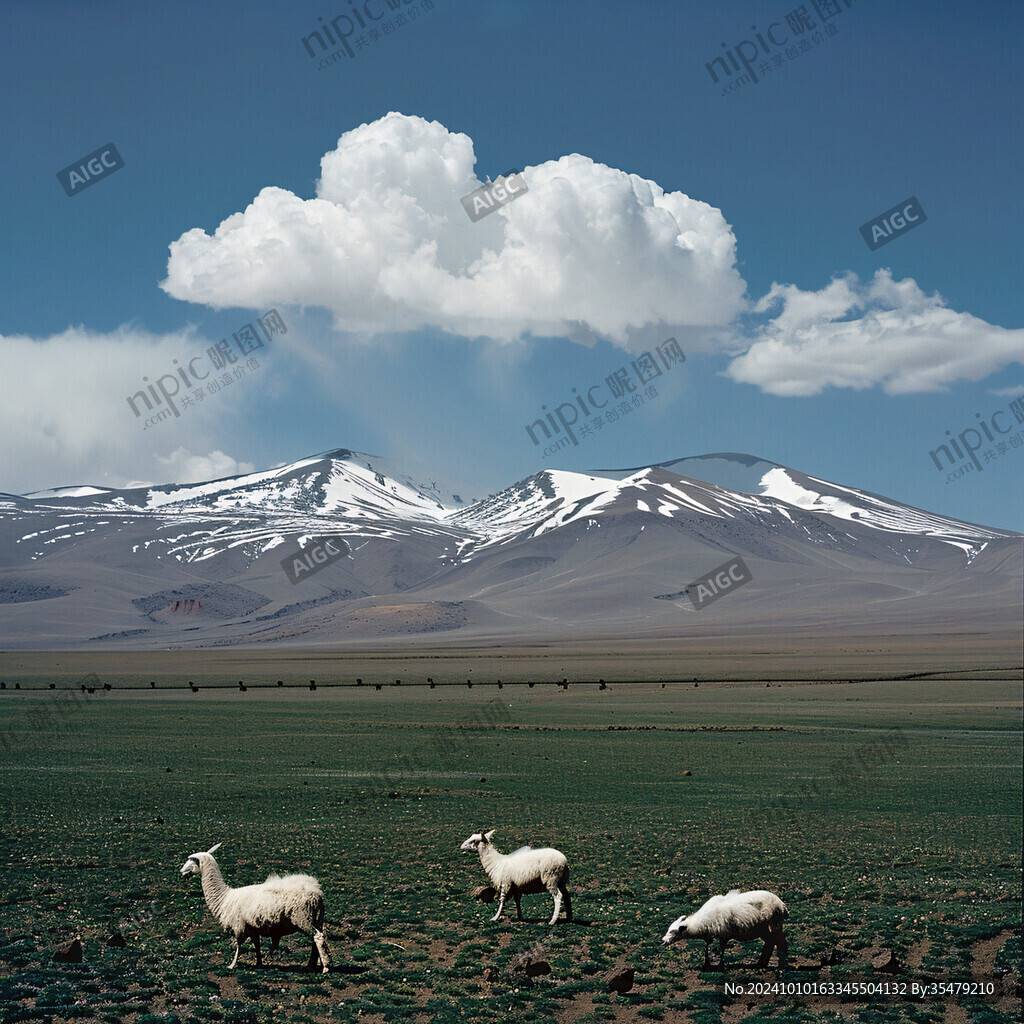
(750, 475)
(339, 491)
(558, 551)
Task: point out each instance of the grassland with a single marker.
(659, 796)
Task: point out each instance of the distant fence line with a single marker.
(562, 684)
(359, 684)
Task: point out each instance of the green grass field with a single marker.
(886, 814)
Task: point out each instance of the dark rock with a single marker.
(619, 979)
(484, 893)
(831, 957)
(526, 966)
(802, 963)
(886, 961)
(687, 772)
(1013, 986)
(115, 939)
(71, 954)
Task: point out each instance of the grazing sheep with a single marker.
(279, 906)
(741, 916)
(525, 871)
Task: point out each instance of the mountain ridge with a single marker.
(587, 553)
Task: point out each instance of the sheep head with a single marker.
(193, 865)
(676, 930)
(476, 840)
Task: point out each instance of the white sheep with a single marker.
(739, 916)
(523, 872)
(278, 906)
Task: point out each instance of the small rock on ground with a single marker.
(619, 980)
(886, 961)
(71, 954)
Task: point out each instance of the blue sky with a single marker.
(416, 334)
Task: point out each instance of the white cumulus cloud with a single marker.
(386, 246)
(66, 419)
(854, 335)
(186, 467)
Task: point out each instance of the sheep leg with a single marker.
(320, 941)
(722, 943)
(766, 952)
(501, 905)
(556, 895)
(564, 889)
(238, 949)
(519, 904)
(782, 946)
(256, 943)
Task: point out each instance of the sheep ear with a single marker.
(214, 848)
(487, 835)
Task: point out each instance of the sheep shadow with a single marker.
(298, 971)
(576, 922)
